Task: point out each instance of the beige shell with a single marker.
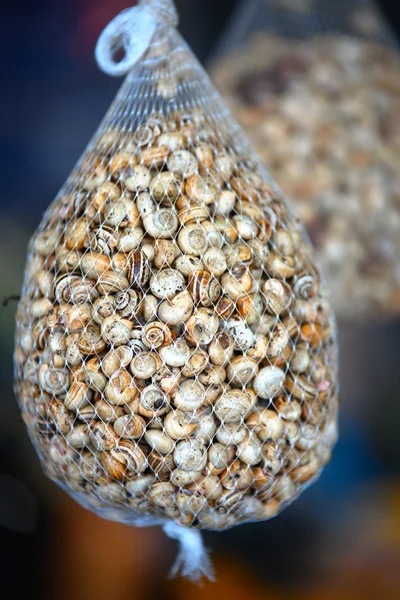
(179, 425)
(190, 455)
(190, 395)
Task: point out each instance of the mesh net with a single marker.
(317, 86)
(175, 350)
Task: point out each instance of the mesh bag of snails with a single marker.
(175, 357)
(316, 84)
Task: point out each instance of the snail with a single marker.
(233, 406)
(190, 395)
(167, 283)
(190, 455)
(201, 327)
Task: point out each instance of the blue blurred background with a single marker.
(341, 539)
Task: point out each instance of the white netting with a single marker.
(317, 86)
(175, 352)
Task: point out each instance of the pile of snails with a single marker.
(175, 351)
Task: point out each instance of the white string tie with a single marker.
(192, 560)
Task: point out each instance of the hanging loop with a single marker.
(132, 31)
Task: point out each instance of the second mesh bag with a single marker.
(316, 83)
(175, 350)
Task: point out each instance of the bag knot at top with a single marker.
(163, 10)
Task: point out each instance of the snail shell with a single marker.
(278, 297)
(190, 455)
(167, 283)
(268, 382)
(237, 476)
(145, 364)
(116, 359)
(53, 381)
(204, 288)
(102, 240)
(91, 341)
(190, 502)
(162, 494)
(166, 252)
(130, 426)
(183, 162)
(190, 395)
(75, 235)
(300, 387)
(103, 436)
(130, 239)
(224, 308)
(114, 468)
(242, 369)
(111, 282)
(102, 308)
(116, 331)
(307, 469)
(202, 189)
(128, 304)
(162, 224)
(267, 423)
(300, 359)
(242, 335)
(177, 310)
(221, 348)
(215, 261)
(130, 455)
(93, 376)
(312, 334)
(233, 406)
(206, 428)
(289, 410)
(176, 354)
(238, 282)
(250, 307)
(249, 451)
(201, 327)
(165, 187)
(159, 441)
(193, 239)
(278, 341)
(191, 212)
(75, 290)
(153, 401)
(186, 264)
(139, 486)
(120, 388)
(195, 364)
(139, 269)
(306, 286)
(231, 433)
(162, 466)
(282, 267)
(219, 457)
(156, 334)
(181, 478)
(108, 412)
(178, 425)
(78, 437)
(60, 416)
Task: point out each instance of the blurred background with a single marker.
(341, 539)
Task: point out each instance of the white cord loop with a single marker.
(192, 560)
(132, 31)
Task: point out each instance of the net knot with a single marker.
(164, 11)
